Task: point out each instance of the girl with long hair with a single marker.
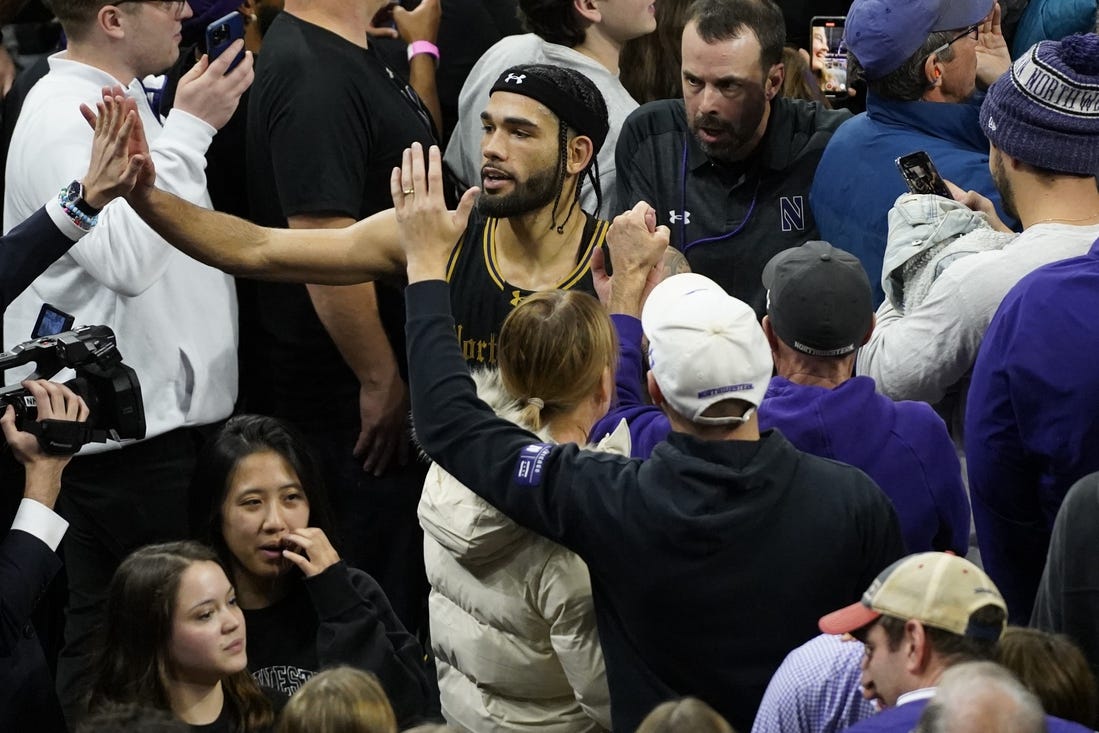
(174, 639)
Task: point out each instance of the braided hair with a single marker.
(580, 93)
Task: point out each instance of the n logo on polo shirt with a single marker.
(792, 213)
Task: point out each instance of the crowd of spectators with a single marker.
(558, 365)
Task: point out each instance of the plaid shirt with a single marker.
(816, 690)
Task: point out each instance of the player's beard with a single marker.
(525, 196)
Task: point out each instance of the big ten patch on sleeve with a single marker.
(531, 464)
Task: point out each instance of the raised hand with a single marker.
(120, 155)
(993, 54)
(428, 229)
(421, 24)
(637, 249)
(316, 552)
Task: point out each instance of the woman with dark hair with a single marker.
(306, 609)
(174, 640)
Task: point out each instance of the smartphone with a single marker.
(220, 35)
(384, 16)
(827, 57)
(921, 175)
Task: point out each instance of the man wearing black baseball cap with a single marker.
(818, 314)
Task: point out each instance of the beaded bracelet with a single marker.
(78, 217)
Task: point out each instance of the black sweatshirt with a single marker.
(709, 561)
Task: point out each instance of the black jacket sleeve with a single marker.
(544, 487)
(359, 628)
(27, 565)
(27, 699)
(25, 253)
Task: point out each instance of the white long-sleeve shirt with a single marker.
(175, 319)
(927, 351)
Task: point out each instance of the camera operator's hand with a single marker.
(43, 471)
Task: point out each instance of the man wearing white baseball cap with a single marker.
(710, 560)
(710, 361)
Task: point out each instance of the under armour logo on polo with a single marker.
(517, 78)
(675, 218)
(792, 213)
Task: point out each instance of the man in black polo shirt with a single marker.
(729, 167)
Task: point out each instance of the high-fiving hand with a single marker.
(120, 155)
(428, 229)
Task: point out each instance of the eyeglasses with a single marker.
(174, 7)
(973, 30)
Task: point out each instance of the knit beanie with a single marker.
(1045, 110)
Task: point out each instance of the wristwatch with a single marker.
(74, 195)
(79, 211)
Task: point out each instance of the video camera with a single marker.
(109, 387)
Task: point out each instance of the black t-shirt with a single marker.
(224, 722)
(285, 658)
(327, 122)
(482, 298)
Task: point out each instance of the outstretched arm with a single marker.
(362, 252)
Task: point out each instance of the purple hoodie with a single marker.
(903, 446)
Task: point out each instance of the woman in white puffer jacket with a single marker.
(512, 623)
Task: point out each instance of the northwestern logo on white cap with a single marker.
(744, 387)
(516, 78)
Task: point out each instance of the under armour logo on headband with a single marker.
(517, 78)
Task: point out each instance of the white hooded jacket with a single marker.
(512, 623)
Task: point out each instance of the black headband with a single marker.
(570, 110)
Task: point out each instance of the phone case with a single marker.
(921, 175)
(220, 35)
